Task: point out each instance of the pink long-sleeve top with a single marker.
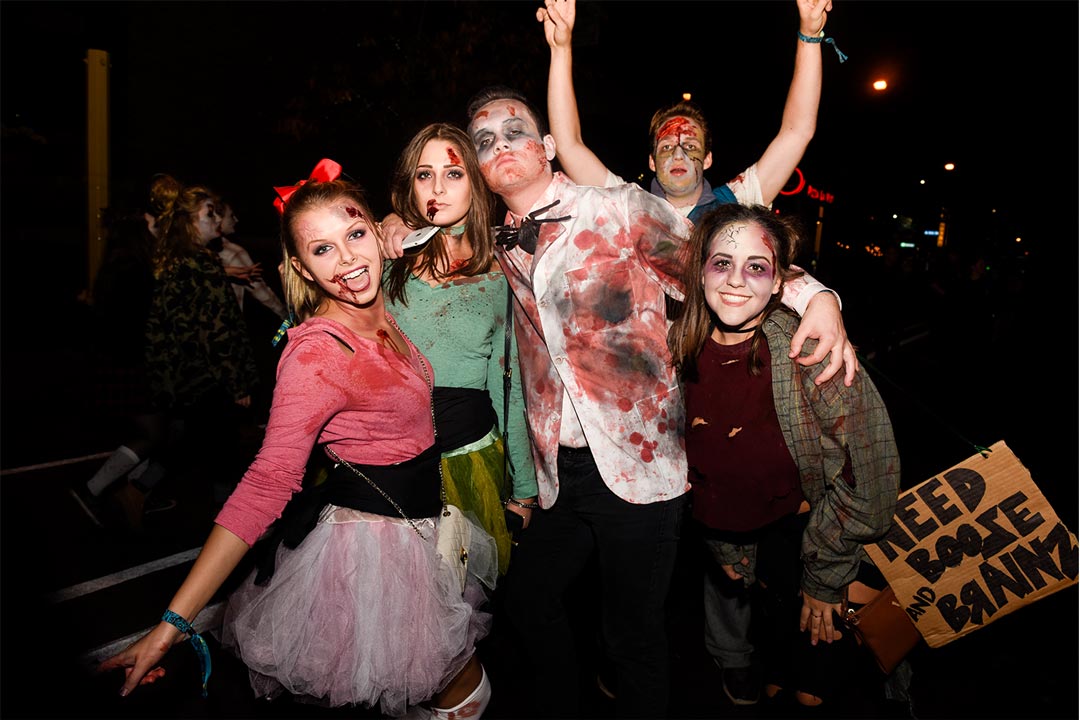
(372, 406)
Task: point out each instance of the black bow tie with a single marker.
(527, 233)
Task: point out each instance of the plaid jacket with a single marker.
(825, 428)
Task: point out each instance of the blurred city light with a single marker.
(686, 97)
(950, 166)
(880, 85)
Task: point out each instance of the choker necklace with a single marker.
(456, 230)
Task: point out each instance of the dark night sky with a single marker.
(244, 96)
(247, 95)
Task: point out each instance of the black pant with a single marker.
(635, 547)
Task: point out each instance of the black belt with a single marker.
(413, 484)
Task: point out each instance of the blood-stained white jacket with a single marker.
(591, 321)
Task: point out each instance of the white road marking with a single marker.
(107, 581)
(55, 463)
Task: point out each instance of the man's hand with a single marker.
(558, 18)
(824, 323)
(244, 272)
(393, 233)
(812, 15)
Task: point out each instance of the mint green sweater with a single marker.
(460, 327)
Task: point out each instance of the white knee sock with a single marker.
(119, 464)
(472, 706)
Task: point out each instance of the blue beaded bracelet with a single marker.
(820, 37)
(202, 651)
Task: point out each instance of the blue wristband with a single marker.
(202, 651)
(285, 325)
(820, 37)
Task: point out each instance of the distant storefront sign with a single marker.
(811, 192)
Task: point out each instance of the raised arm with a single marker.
(258, 288)
(797, 126)
(576, 159)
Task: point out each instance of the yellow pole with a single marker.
(97, 155)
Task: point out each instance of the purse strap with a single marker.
(508, 463)
(435, 432)
(386, 496)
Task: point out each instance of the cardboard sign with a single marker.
(972, 545)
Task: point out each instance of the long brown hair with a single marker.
(177, 226)
(433, 254)
(691, 329)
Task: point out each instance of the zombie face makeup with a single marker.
(512, 153)
(440, 185)
(679, 158)
(228, 220)
(338, 251)
(207, 222)
(739, 276)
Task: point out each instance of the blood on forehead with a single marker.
(767, 242)
(453, 156)
(351, 211)
(677, 126)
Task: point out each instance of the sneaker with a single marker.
(89, 503)
(739, 686)
(156, 504)
(605, 687)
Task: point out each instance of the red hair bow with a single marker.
(325, 171)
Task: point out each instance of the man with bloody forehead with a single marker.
(681, 141)
(681, 152)
(591, 268)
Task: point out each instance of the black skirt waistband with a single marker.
(462, 416)
(413, 485)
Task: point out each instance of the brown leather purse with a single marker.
(884, 629)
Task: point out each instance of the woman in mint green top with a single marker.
(450, 298)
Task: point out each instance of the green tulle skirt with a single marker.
(475, 482)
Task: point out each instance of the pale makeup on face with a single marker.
(228, 221)
(207, 222)
(441, 185)
(509, 145)
(339, 252)
(739, 277)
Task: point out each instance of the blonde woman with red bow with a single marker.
(350, 603)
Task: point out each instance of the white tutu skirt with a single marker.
(363, 612)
